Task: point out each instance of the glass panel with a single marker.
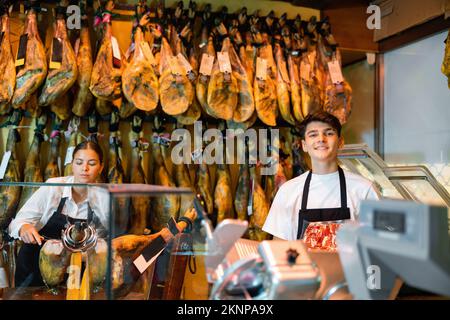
(125, 248)
(54, 245)
(422, 191)
(371, 171)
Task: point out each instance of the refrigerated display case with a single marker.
(100, 259)
(415, 183)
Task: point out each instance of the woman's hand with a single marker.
(29, 234)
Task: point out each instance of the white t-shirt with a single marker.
(282, 220)
(45, 200)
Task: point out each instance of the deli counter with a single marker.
(104, 257)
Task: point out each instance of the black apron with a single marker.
(325, 214)
(27, 267)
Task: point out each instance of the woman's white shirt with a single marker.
(44, 202)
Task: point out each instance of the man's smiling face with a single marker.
(321, 142)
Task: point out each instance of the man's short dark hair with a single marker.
(320, 116)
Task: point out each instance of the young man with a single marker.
(325, 193)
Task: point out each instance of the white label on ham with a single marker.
(4, 164)
(142, 264)
(183, 61)
(175, 67)
(261, 68)
(148, 53)
(77, 46)
(224, 62)
(69, 155)
(335, 72)
(206, 64)
(115, 47)
(305, 70)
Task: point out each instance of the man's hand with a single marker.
(29, 234)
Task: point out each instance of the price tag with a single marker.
(175, 66)
(148, 53)
(149, 254)
(4, 164)
(224, 62)
(69, 155)
(261, 68)
(335, 72)
(116, 53)
(183, 61)
(22, 50)
(206, 64)
(305, 71)
(56, 60)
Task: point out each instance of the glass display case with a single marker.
(124, 241)
(415, 183)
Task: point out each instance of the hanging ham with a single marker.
(265, 89)
(166, 206)
(32, 74)
(106, 78)
(222, 88)
(203, 79)
(245, 104)
(223, 201)
(283, 86)
(32, 170)
(10, 195)
(62, 74)
(176, 90)
(7, 68)
(140, 84)
(82, 95)
(140, 205)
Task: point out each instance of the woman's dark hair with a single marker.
(85, 145)
(320, 116)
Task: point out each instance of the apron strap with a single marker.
(61, 205)
(306, 190)
(343, 188)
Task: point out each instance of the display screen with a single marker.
(389, 221)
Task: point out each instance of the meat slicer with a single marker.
(395, 242)
(243, 269)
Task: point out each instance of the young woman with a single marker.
(50, 208)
